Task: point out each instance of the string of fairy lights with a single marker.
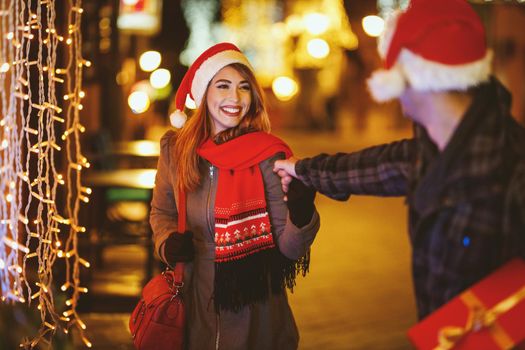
(41, 161)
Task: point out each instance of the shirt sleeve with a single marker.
(163, 215)
(380, 171)
(293, 242)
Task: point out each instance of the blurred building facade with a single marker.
(312, 57)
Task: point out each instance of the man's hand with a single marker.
(286, 170)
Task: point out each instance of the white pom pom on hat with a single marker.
(200, 73)
(178, 118)
(391, 78)
(434, 45)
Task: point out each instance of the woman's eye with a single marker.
(222, 86)
(245, 87)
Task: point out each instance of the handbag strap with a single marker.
(182, 211)
(178, 271)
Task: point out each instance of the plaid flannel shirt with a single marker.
(466, 205)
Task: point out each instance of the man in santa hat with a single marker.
(463, 172)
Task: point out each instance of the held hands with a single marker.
(299, 198)
(286, 170)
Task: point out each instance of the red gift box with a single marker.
(489, 315)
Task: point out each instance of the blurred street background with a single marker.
(312, 58)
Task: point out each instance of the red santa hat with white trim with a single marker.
(434, 45)
(199, 75)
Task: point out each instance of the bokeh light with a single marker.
(318, 48)
(138, 101)
(284, 88)
(373, 25)
(294, 24)
(160, 78)
(150, 60)
(316, 23)
(130, 2)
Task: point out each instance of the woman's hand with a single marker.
(298, 197)
(179, 247)
(300, 202)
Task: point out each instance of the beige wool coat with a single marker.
(265, 325)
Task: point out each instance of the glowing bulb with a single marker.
(318, 48)
(373, 25)
(84, 262)
(150, 60)
(81, 324)
(160, 78)
(87, 342)
(67, 313)
(4, 67)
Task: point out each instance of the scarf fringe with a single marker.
(291, 269)
(250, 280)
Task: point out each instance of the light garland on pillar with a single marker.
(253, 26)
(199, 16)
(35, 125)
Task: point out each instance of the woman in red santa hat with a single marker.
(244, 245)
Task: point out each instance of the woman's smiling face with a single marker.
(228, 99)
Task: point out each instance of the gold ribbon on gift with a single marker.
(480, 318)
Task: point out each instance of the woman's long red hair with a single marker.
(199, 128)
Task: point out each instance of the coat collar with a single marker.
(472, 163)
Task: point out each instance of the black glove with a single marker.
(300, 203)
(179, 247)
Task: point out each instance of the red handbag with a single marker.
(158, 320)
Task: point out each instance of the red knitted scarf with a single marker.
(245, 253)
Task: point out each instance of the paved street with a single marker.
(358, 294)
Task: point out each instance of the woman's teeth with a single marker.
(231, 110)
